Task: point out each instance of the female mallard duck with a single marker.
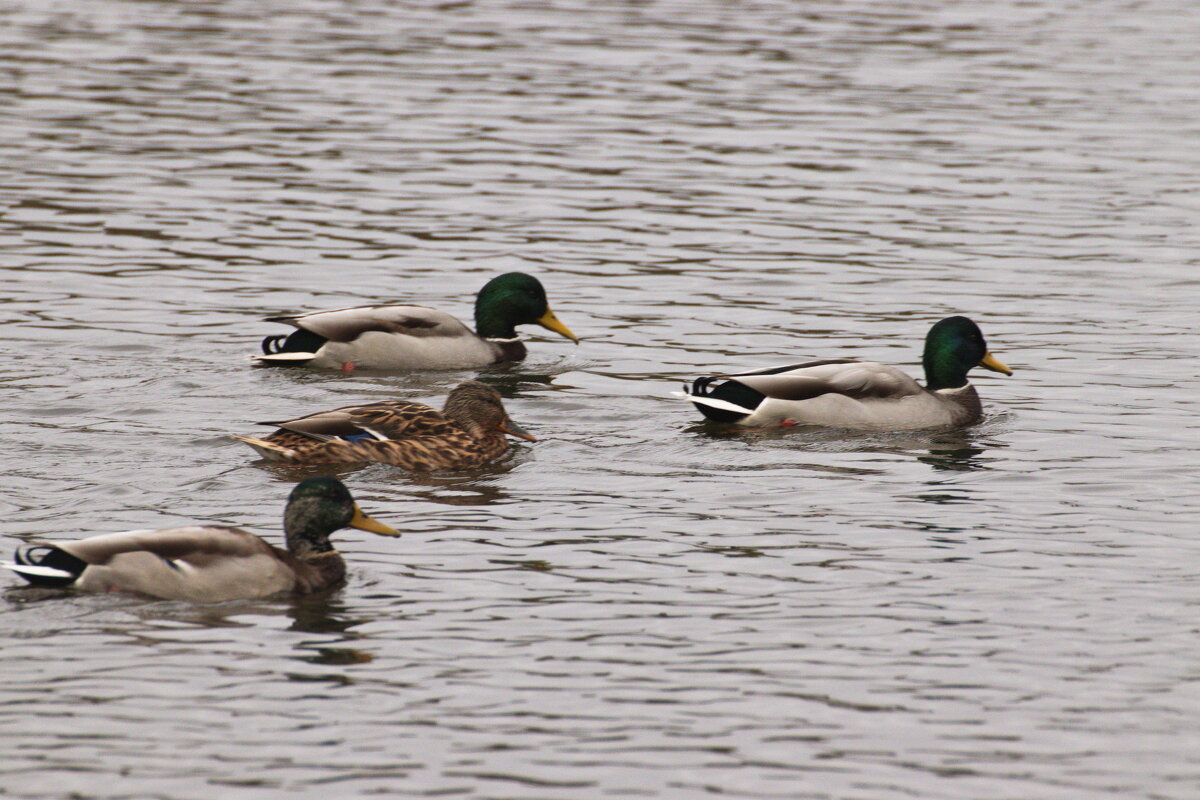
(467, 433)
(396, 336)
(209, 563)
(846, 393)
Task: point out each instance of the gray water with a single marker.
(636, 605)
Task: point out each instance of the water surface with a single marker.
(637, 605)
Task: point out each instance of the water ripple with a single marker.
(636, 605)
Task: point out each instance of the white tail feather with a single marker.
(33, 569)
(713, 402)
(284, 357)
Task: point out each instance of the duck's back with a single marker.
(863, 395)
(387, 419)
(195, 563)
(393, 337)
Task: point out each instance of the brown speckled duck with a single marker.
(209, 563)
(467, 433)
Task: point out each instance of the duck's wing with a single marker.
(749, 397)
(383, 337)
(348, 324)
(403, 419)
(308, 439)
(320, 426)
(430, 453)
(198, 545)
(859, 380)
(199, 563)
(455, 450)
(387, 419)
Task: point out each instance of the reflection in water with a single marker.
(955, 451)
(333, 678)
(21, 596)
(961, 459)
(509, 382)
(946, 537)
(321, 613)
(294, 473)
(339, 656)
(458, 490)
(637, 605)
(448, 488)
(945, 497)
(532, 564)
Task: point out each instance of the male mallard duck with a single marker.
(209, 563)
(845, 393)
(394, 336)
(467, 433)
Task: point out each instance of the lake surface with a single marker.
(637, 605)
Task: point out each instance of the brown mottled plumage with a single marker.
(467, 433)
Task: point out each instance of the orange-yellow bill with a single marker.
(989, 361)
(365, 523)
(551, 323)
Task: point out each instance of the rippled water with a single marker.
(636, 605)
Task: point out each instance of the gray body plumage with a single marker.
(208, 563)
(847, 394)
(393, 337)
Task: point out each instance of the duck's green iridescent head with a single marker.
(512, 299)
(953, 348)
(316, 508)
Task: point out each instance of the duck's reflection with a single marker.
(509, 383)
(321, 613)
(955, 451)
(455, 490)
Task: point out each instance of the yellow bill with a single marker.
(365, 523)
(551, 323)
(989, 361)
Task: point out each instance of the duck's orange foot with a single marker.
(348, 366)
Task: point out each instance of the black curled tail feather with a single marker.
(274, 344)
(47, 555)
(298, 341)
(700, 386)
(731, 391)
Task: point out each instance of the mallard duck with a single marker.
(467, 433)
(846, 393)
(393, 336)
(209, 563)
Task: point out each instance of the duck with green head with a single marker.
(846, 393)
(395, 336)
(209, 563)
